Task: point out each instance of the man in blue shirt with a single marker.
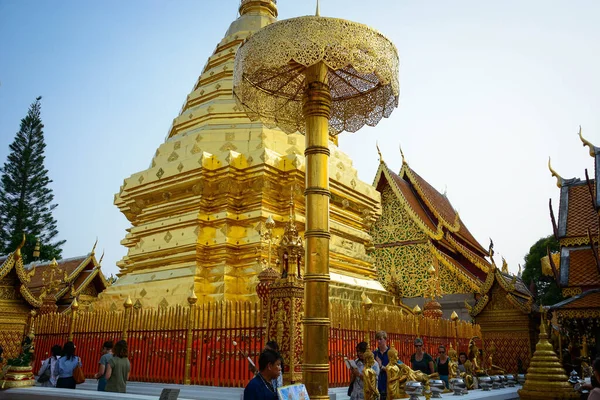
(381, 357)
(260, 387)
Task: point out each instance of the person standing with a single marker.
(269, 369)
(66, 365)
(358, 383)
(271, 345)
(595, 392)
(382, 360)
(106, 355)
(49, 365)
(117, 369)
(462, 359)
(442, 365)
(421, 361)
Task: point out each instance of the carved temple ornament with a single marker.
(291, 247)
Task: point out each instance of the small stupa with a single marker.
(546, 378)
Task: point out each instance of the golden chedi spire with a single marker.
(546, 378)
(262, 7)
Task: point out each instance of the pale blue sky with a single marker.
(489, 90)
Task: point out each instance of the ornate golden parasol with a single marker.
(319, 76)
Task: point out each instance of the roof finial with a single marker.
(101, 257)
(318, 11)
(402, 154)
(94, 248)
(588, 144)
(379, 152)
(559, 179)
(20, 246)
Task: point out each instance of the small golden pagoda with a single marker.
(546, 378)
(198, 211)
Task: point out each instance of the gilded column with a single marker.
(316, 109)
(128, 304)
(192, 300)
(74, 308)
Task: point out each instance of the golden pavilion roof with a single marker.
(517, 292)
(78, 273)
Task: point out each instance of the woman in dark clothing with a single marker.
(421, 361)
(66, 365)
(442, 365)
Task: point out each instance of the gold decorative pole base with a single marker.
(18, 377)
(316, 109)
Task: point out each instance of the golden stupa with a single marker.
(546, 378)
(198, 212)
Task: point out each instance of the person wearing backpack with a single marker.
(66, 365)
(47, 374)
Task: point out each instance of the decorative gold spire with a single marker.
(260, 7)
(379, 152)
(559, 179)
(318, 11)
(19, 247)
(94, 248)
(546, 377)
(402, 154)
(588, 144)
(504, 266)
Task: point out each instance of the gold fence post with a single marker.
(188, 341)
(74, 308)
(128, 304)
(454, 318)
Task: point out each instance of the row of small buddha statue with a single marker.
(399, 374)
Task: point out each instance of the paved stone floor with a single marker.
(151, 391)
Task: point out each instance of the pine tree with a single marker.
(25, 196)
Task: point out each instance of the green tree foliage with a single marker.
(25, 196)
(546, 290)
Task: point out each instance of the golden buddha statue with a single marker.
(407, 374)
(453, 363)
(370, 378)
(473, 358)
(493, 369)
(394, 382)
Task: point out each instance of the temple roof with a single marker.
(517, 293)
(78, 272)
(577, 230)
(578, 267)
(14, 263)
(577, 213)
(451, 243)
(584, 305)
